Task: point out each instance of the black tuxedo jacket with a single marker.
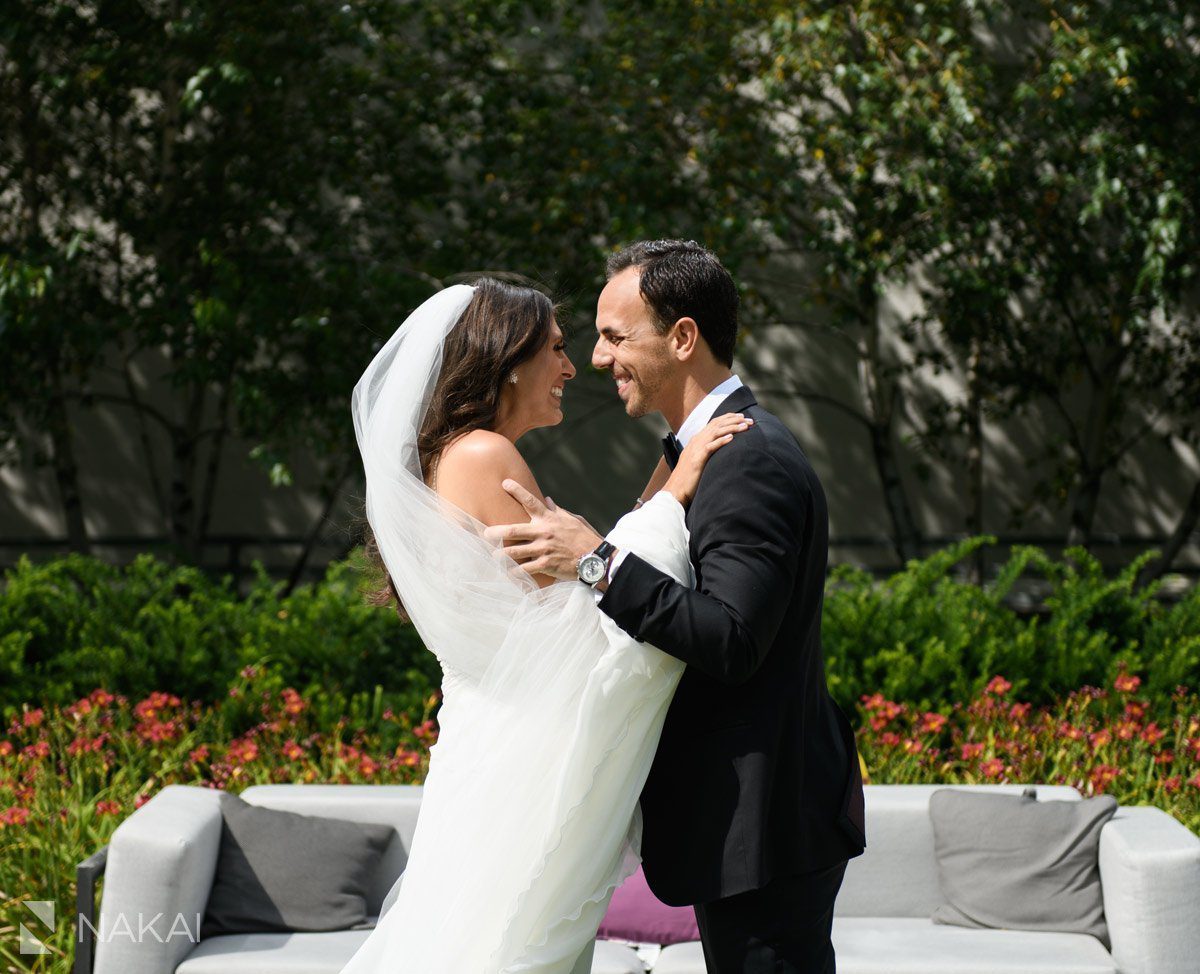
(756, 775)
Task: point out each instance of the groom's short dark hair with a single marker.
(681, 279)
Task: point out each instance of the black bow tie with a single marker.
(671, 449)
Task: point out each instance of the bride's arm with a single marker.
(657, 480)
(469, 475)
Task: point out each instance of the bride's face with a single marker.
(536, 399)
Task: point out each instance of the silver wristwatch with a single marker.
(594, 565)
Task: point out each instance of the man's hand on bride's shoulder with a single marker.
(685, 478)
(553, 540)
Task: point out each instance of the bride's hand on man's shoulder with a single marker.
(685, 478)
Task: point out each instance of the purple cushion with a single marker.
(637, 914)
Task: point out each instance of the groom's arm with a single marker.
(749, 522)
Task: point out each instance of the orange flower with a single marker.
(998, 685)
(6, 748)
(242, 751)
(1127, 682)
(293, 703)
(1099, 738)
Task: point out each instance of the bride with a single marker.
(551, 714)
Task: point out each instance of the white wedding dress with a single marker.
(550, 718)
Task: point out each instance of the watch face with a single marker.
(591, 568)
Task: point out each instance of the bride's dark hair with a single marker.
(503, 325)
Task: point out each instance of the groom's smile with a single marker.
(630, 346)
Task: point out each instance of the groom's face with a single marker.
(630, 346)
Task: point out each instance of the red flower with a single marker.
(1172, 784)
(874, 701)
(1167, 757)
(36, 751)
(107, 808)
(1071, 732)
(101, 698)
(1126, 730)
(913, 747)
(407, 759)
(6, 748)
(1019, 711)
(1152, 733)
(293, 751)
(1127, 682)
(242, 751)
(1135, 709)
(141, 800)
(1194, 780)
(932, 723)
(1099, 738)
(198, 754)
(971, 751)
(157, 731)
(14, 815)
(992, 768)
(33, 718)
(155, 704)
(293, 703)
(1102, 776)
(889, 739)
(425, 731)
(368, 766)
(998, 685)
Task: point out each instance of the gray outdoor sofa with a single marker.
(162, 858)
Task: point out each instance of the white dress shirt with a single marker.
(696, 421)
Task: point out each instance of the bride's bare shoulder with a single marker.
(471, 470)
(479, 450)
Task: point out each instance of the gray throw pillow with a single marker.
(281, 871)
(1012, 862)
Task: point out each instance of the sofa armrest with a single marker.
(1150, 874)
(161, 862)
(86, 874)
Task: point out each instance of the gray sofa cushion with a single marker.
(280, 871)
(1012, 862)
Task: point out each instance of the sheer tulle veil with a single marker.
(551, 715)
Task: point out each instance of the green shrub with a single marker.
(72, 625)
(922, 635)
(925, 637)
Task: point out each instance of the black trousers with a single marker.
(782, 928)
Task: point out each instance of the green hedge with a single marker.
(71, 625)
(925, 637)
(74, 624)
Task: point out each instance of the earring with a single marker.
(512, 377)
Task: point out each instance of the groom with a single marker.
(754, 802)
